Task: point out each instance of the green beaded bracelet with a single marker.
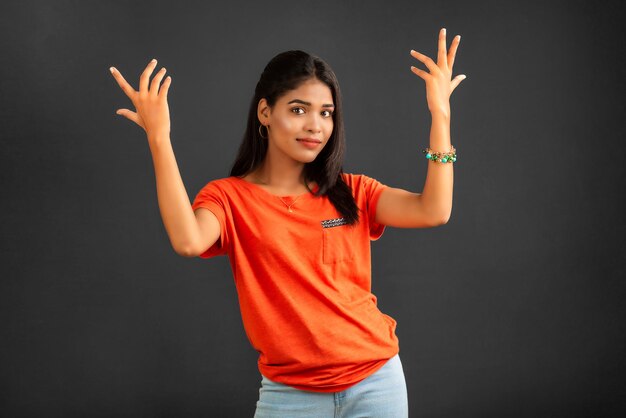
(440, 157)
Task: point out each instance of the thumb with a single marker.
(129, 115)
(457, 80)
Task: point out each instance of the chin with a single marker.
(306, 160)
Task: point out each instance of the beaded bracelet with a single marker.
(441, 157)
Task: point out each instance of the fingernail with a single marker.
(443, 30)
(153, 60)
(112, 69)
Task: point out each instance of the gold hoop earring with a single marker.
(261, 133)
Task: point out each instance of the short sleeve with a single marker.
(211, 197)
(373, 189)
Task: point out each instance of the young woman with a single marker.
(297, 232)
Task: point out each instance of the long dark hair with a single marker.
(285, 72)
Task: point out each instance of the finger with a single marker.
(145, 77)
(453, 48)
(126, 88)
(156, 81)
(165, 87)
(426, 60)
(442, 55)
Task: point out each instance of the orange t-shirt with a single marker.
(303, 280)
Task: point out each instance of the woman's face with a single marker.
(305, 113)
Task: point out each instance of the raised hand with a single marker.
(439, 85)
(152, 111)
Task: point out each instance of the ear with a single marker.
(263, 111)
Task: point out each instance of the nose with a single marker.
(314, 122)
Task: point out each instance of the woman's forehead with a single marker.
(314, 92)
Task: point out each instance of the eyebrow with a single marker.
(308, 104)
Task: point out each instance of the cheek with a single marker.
(329, 128)
(284, 124)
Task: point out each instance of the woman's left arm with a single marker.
(401, 208)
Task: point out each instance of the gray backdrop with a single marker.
(512, 309)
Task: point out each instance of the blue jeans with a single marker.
(380, 395)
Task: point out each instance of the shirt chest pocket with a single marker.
(338, 244)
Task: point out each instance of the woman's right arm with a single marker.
(190, 233)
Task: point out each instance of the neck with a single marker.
(285, 174)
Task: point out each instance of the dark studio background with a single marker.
(512, 309)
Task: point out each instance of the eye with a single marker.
(329, 112)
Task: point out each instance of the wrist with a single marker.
(440, 114)
(158, 138)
